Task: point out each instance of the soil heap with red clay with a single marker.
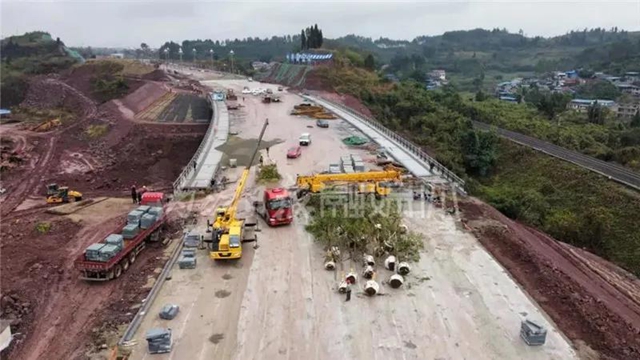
(591, 300)
(52, 309)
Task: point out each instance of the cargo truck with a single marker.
(95, 269)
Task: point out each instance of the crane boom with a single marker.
(310, 180)
(230, 212)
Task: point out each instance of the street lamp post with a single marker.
(180, 53)
(166, 55)
(211, 53)
(194, 55)
(231, 54)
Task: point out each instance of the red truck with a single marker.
(276, 208)
(114, 267)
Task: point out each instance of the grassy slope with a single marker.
(569, 203)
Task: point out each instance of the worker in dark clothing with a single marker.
(261, 160)
(348, 290)
(134, 194)
(267, 151)
(139, 197)
(195, 165)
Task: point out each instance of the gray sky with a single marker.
(128, 23)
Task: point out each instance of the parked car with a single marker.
(322, 123)
(269, 91)
(305, 139)
(246, 91)
(280, 88)
(294, 152)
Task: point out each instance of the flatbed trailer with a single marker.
(117, 265)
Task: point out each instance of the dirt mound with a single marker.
(144, 96)
(82, 77)
(347, 100)
(587, 299)
(156, 75)
(51, 93)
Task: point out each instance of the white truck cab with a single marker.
(305, 139)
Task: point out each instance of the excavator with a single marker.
(378, 183)
(228, 232)
(61, 194)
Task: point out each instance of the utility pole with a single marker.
(194, 56)
(211, 53)
(180, 53)
(231, 54)
(166, 55)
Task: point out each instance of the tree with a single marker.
(635, 122)
(479, 149)
(595, 115)
(369, 62)
(481, 96)
(551, 104)
(303, 40)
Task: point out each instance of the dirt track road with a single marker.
(279, 303)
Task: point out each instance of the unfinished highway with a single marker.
(278, 301)
(611, 170)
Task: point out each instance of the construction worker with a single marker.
(195, 165)
(134, 194)
(348, 290)
(267, 151)
(261, 160)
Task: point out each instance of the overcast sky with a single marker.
(128, 23)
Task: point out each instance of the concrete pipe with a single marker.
(351, 277)
(369, 260)
(329, 265)
(342, 288)
(403, 229)
(404, 268)
(396, 281)
(371, 288)
(390, 263)
(368, 272)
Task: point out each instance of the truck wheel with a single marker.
(117, 271)
(125, 264)
(132, 257)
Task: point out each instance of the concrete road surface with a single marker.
(278, 302)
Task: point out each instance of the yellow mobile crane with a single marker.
(227, 230)
(371, 182)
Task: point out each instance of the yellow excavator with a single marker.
(228, 232)
(378, 183)
(61, 194)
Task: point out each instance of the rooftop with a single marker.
(590, 102)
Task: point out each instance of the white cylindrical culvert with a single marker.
(371, 288)
(351, 277)
(342, 288)
(396, 281)
(329, 265)
(369, 260)
(368, 272)
(404, 268)
(390, 263)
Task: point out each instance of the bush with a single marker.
(96, 131)
(268, 173)
(43, 227)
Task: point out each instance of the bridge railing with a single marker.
(188, 172)
(408, 145)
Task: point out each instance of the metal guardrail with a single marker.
(148, 301)
(408, 145)
(189, 171)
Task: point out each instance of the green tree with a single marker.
(369, 62)
(303, 41)
(479, 151)
(481, 96)
(595, 114)
(552, 104)
(635, 122)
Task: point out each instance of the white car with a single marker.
(305, 139)
(246, 91)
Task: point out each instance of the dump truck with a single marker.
(276, 208)
(92, 269)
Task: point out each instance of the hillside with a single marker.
(33, 53)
